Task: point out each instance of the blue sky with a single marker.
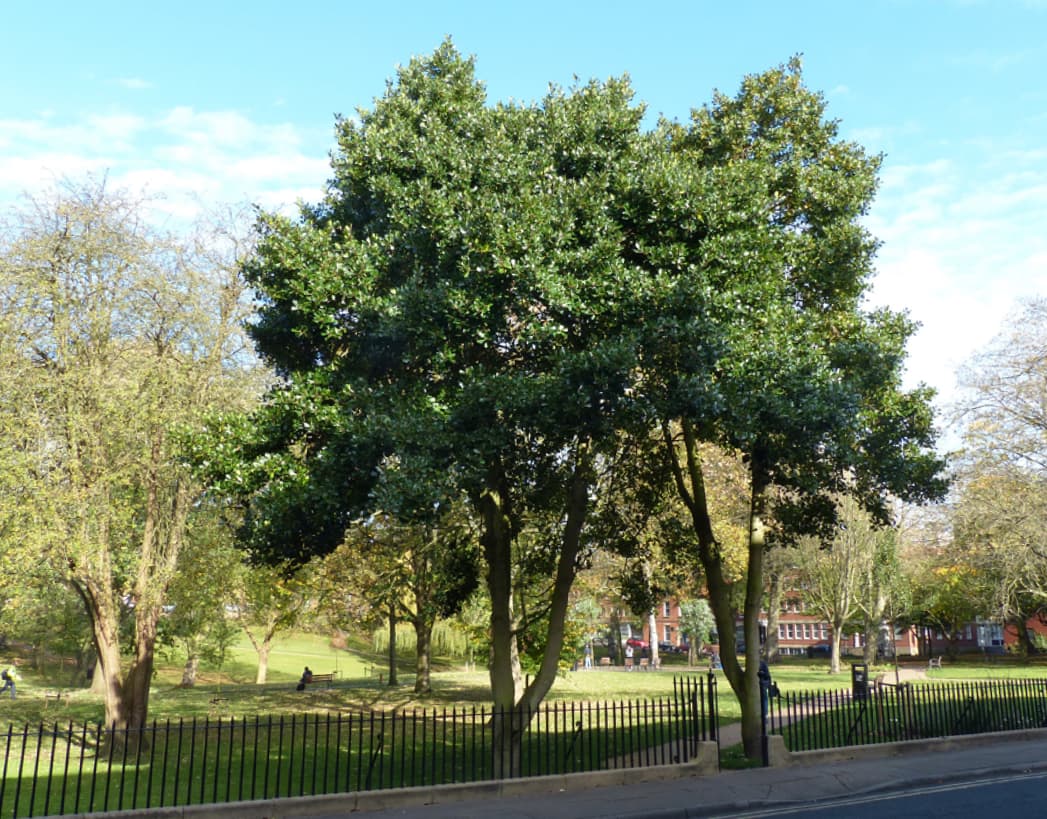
(234, 101)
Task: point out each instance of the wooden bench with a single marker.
(328, 679)
(605, 661)
(644, 664)
(934, 662)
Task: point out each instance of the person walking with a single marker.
(9, 675)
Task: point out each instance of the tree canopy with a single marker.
(510, 302)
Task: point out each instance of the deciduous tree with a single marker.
(115, 336)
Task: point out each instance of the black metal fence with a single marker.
(831, 719)
(56, 769)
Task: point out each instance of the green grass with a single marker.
(73, 769)
(920, 712)
(362, 674)
(282, 760)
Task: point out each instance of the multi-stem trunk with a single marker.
(262, 646)
(690, 483)
(514, 705)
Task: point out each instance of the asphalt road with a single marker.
(1008, 797)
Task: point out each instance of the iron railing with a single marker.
(61, 769)
(886, 713)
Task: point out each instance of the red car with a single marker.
(636, 642)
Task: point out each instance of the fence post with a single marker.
(714, 716)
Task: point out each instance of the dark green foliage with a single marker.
(518, 304)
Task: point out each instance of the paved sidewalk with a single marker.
(814, 776)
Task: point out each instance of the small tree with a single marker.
(832, 572)
(697, 621)
(267, 601)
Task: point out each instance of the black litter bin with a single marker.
(859, 681)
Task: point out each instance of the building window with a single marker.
(789, 630)
(781, 632)
(806, 631)
(667, 633)
(665, 608)
(825, 631)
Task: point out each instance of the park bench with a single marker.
(605, 661)
(934, 662)
(327, 679)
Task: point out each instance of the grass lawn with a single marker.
(362, 675)
(288, 734)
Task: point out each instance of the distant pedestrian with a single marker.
(9, 675)
(628, 657)
(588, 655)
(764, 675)
(307, 677)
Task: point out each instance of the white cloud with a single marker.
(181, 155)
(962, 243)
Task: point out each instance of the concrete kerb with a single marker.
(780, 756)
(705, 763)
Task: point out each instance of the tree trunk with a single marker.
(496, 539)
(834, 656)
(105, 632)
(139, 677)
(750, 694)
(515, 706)
(871, 636)
(423, 635)
(614, 639)
(566, 571)
(393, 679)
(1021, 627)
(192, 665)
(690, 484)
(262, 649)
(652, 628)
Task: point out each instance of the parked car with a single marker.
(666, 647)
(636, 642)
(823, 650)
